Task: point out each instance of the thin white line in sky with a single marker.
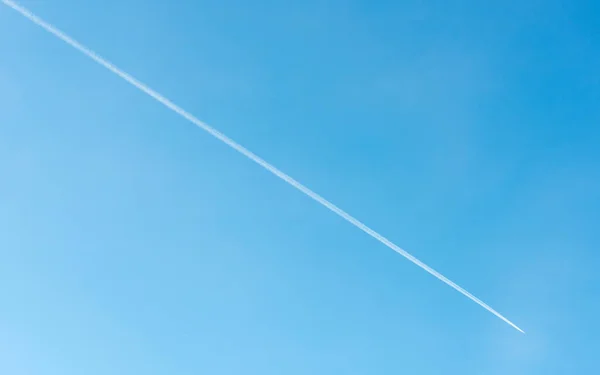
(250, 155)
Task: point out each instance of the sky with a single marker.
(466, 132)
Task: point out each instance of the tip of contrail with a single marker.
(515, 326)
(247, 153)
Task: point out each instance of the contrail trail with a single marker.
(247, 153)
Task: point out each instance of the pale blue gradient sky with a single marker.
(468, 133)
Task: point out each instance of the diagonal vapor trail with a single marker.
(247, 153)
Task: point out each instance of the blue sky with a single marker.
(467, 132)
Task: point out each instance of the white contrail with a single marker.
(231, 143)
